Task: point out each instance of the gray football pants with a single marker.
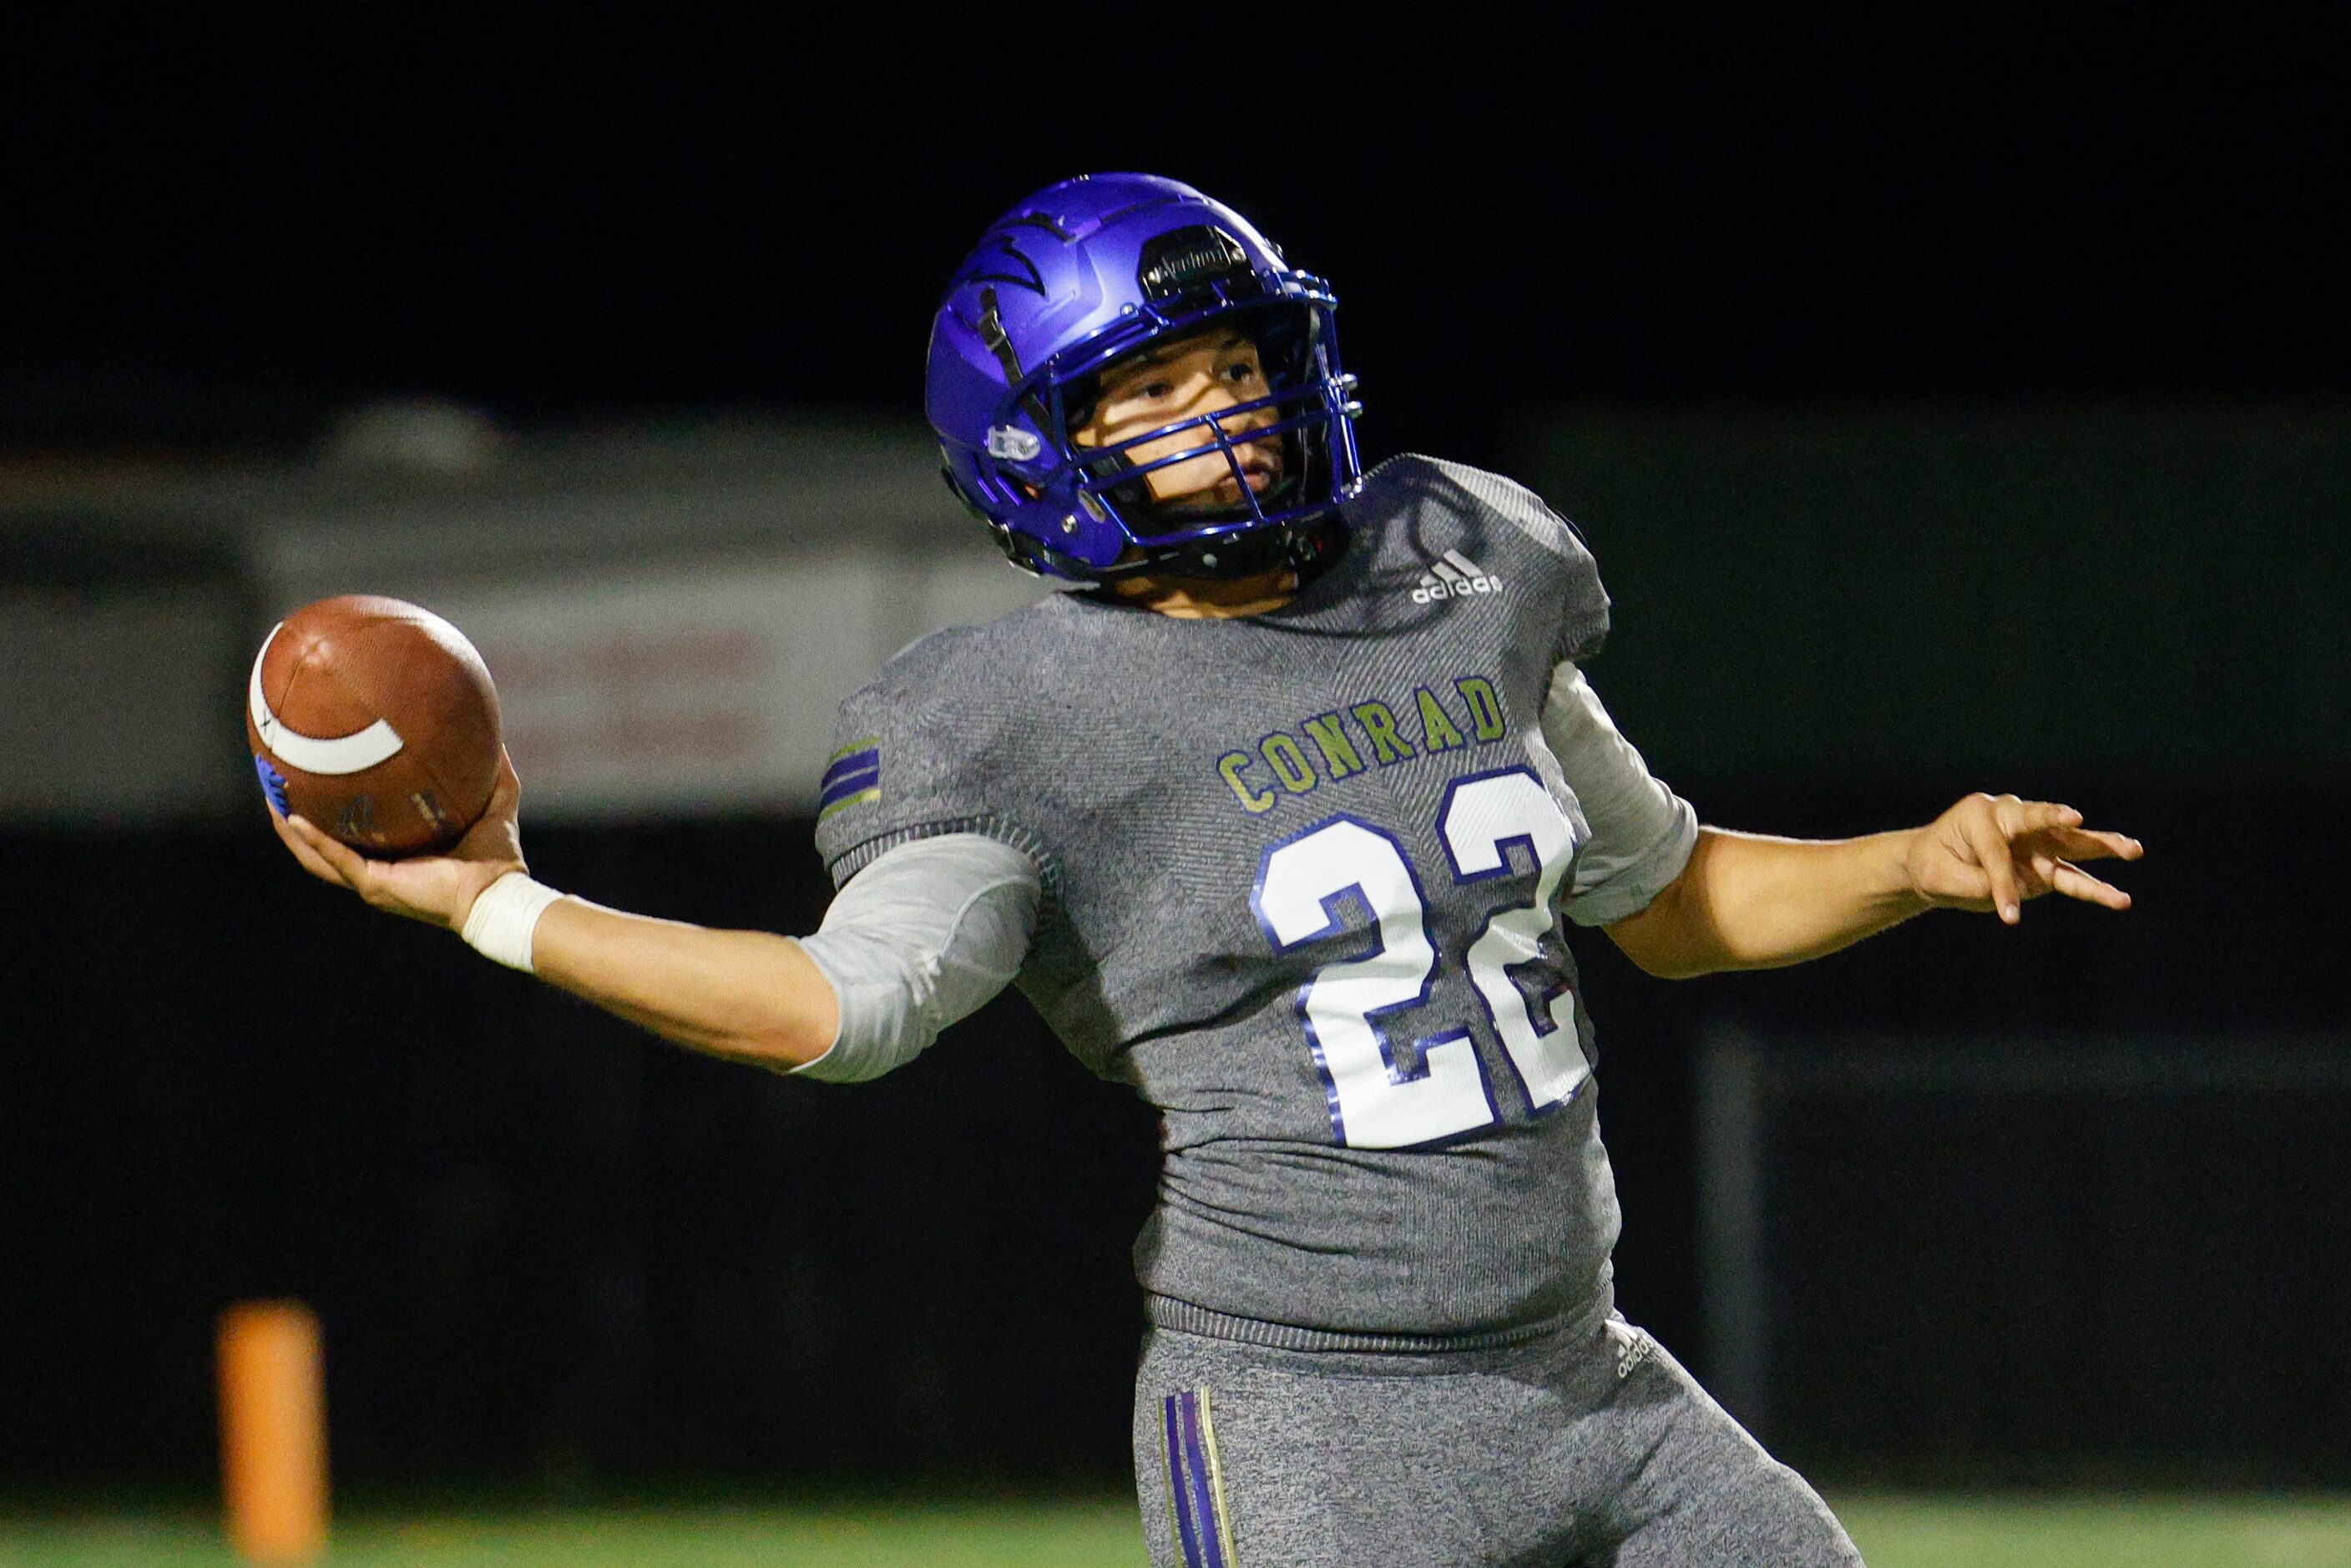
(1599, 1450)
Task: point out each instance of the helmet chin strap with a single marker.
(1307, 547)
(1137, 506)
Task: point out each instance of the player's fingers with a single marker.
(349, 865)
(2022, 817)
(2117, 845)
(2012, 816)
(2074, 882)
(304, 855)
(2085, 843)
(1990, 848)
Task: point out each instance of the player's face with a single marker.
(1206, 373)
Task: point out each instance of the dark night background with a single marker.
(220, 234)
(597, 215)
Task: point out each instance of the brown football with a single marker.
(376, 720)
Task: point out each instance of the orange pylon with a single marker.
(272, 1402)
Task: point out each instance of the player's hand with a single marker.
(1995, 852)
(437, 889)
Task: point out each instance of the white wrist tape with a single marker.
(505, 916)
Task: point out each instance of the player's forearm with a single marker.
(1750, 901)
(749, 995)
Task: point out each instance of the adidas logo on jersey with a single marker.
(1633, 1346)
(1454, 576)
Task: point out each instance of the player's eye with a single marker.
(1154, 390)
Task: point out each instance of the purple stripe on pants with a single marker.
(1196, 1459)
(1187, 1530)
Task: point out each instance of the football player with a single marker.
(1275, 816)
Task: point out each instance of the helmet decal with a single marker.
(999, 260)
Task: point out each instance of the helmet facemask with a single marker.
(1292, 418)
(1306, 407)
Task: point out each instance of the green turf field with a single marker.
(1895, 1532)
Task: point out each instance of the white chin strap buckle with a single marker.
(1010, 444)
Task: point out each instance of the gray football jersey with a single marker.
(1301, 873)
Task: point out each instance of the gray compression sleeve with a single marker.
(1642, 832)
(918, 939)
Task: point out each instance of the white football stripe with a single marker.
(344, 754)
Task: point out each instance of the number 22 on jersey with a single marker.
(1376, 1104)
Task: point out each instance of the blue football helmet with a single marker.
(1085, 273)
